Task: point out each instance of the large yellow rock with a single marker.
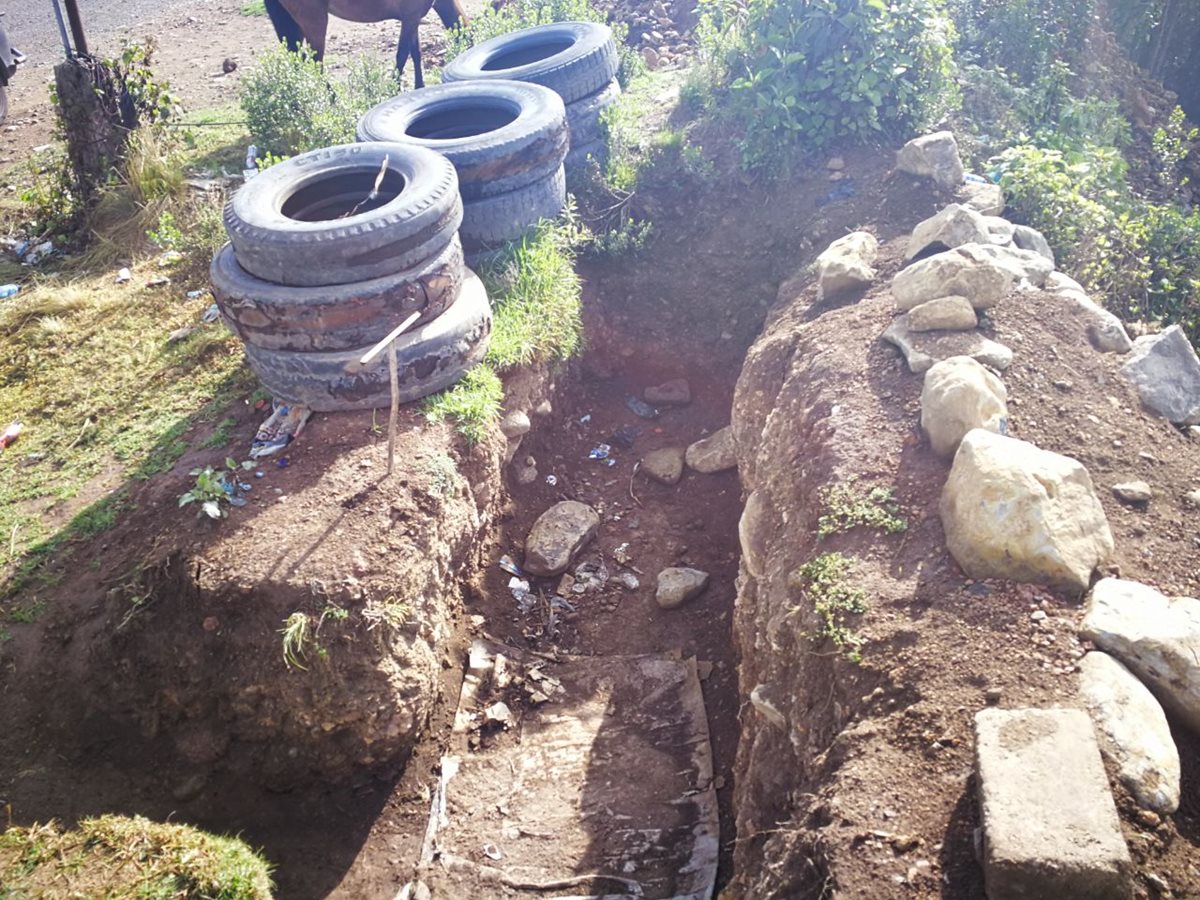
(1011, 510)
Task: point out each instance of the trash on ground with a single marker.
(565, 584)
(970, 178)
(562, 603)
(195, 295)
(259, 474)
(627, 580)
(158, 281)
(591, 575)
(10, 435)
(8, 290)
(583, 420)
(211, 314)
(497, 714)
(491, 851)
(38, 253)
(180, 333)
(600, 451)
(522, 593)
(621, 553)
(282, 463)
(640, 408)
(284, 426)
(251, 167)
(626, 435)
(507, 564)
(123, 275)
(551, 480)
(844, 190)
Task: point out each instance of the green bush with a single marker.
(808, 72)
(1022, 37)
(518, 14)
(291, 106)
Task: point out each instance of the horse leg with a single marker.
(286, 27)
(410, 45)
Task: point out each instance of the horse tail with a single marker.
(286, 27)
(451, 12)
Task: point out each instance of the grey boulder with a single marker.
(922, 349)
(1164, 369)
(557, 535)
(677, 585)
(715, 453)
(953, 226)
(933, 156)
(665, 465)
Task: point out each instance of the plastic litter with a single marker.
(38, 253)
(250, 169)
(282, 463)
(621, 553)
(506, 563)
(10, 435)
(627, 580)
(8, 290)
(284, 426)
(971, 178)
(20, 248)
(158, 281)
(551, 480)
(640, 408)
(259, 474)
(211, 314)
(625, 436)
(563, 604)
(844, 190)
(195, 295)
(600, 451)
(583, 420)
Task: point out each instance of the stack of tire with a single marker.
(333, 249)
(506, 139)
(577, 60)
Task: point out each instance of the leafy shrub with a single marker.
(518, 14)
(814, 71)
(1022, 37)
(291, 106)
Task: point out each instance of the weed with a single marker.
(443, 475)
(5, 635)
(848, 506)
(221, 434)
(213, 489)
(391, 612)
(297, 636)
(253, 8)
(473, 404)
(822, 582)
(27, 614)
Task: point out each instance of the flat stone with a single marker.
(1027, 238)
(943, 314)
(1049, 825)
(836, 164)
(1027, 268)
(846, 264)
(1166, 372)
(1132, 730)
(952, 227)
(985, 198)
(557, 535)
(676, 392)
(933, 156)
(922, 349)
(715, 453)
(677, 585)
(1011, 510)
(959, 395)
(1000, 231)
(515, 424)
(1133, 491)
(1156, 637)
(665, 465)
(957, 272)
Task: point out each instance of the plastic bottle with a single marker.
(7, 290)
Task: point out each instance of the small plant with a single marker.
(1171, 144)
(443, 475)
(213, 489)
(847, 506)
(298, 635)
(391, 612)
(27, 614)
(822, 581)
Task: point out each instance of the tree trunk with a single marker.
(95, 140)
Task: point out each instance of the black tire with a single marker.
(576, 59)
(339, 317)
(579, 158)
(494, 220)
(584, 115)
(285, 227)
(500, 135)
(429, 359)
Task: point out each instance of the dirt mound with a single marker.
(860, 775)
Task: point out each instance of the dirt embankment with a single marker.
(859, 776)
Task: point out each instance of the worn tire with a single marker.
(576, 59)
(275, 220)
(339, 317)
(500, 135)
(505, 217)
(577, 159)
(429, 359)
(583, 116)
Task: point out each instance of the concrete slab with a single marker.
(1050, 827)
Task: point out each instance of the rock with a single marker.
(836, 164)
(1049, 826)
(846, 264)
(650, 55)
(1104, 330)
(1023, 265)
(922, 349)
(229, 64)
(1000, 231)
(1132, 730)
(665, 465)
(933, 156)
(943, 314)
(952, 227)
(1133, 492)
(959, 395)
(558, 534)
(1164, 369)
(515, 424)
(1027, 238)
(676, 586)
(526, 472)
(1156, 637)
(1192, 499)
(954, 272)
(1011, 510)
(986, 199)
(676, 392)
(715, 453)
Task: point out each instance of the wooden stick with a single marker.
(395, 413)
(370, 355)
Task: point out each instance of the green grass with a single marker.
(473, 404)
(221, 434)
(822, 582)
(253, 8)
(850, 505)
(116, 856)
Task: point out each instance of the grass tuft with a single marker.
(473, 404)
